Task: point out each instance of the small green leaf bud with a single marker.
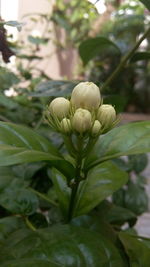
(59, 107)
(106, 115)
(96, 128)
(82, 120)
(86, 95)
(66, 126)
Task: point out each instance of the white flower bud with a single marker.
(106, 115)
(65, 125)
(86, 95)
(82, 120)
(96, 128)
(59, 107)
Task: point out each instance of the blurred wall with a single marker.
(50, 66)
(62, 63)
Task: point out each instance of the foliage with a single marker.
(124, 27)
(134, 196)
(83, 13)
(24, 203)
(37, 171)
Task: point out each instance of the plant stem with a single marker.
(4, 118)
(38, 123)
(43, 196)
(69, 145)
(90, 145)
(29, 224)
(77, 178)
(124, 61)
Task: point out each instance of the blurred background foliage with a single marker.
(99, 42)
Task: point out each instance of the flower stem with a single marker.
(124, 61)
(77, 179)
(69, 145)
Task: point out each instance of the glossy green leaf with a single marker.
(62, 190)
(20, 144)
(95, 223)
(64, 246)
(101, 182)
(136, 199)
(136, 249)
(15, 197)
(140, 56)
(10, 155)
(22, 137)
(129, 139)
(92, 47)
(146, 3)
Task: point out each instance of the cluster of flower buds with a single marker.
(84, 114)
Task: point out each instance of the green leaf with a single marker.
(64, 246)
(136, 249)
(7, 79)
(130, 139)
(53, 88)
(29, 57)
(138, 163)
(7, 102)
(62, 190)
(136, 199)
(60, 19)
(14, 23)
(20, 144)
(30, 263)
(27, 170)
(10, 155)
(15, 197)
(20, 136)
(97, 224)
(140, 56)
(120, 215)
(37, 40)
(146, 3)
(9, 225)
(101, 182)
(92, 47)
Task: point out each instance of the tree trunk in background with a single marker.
(67, 56)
